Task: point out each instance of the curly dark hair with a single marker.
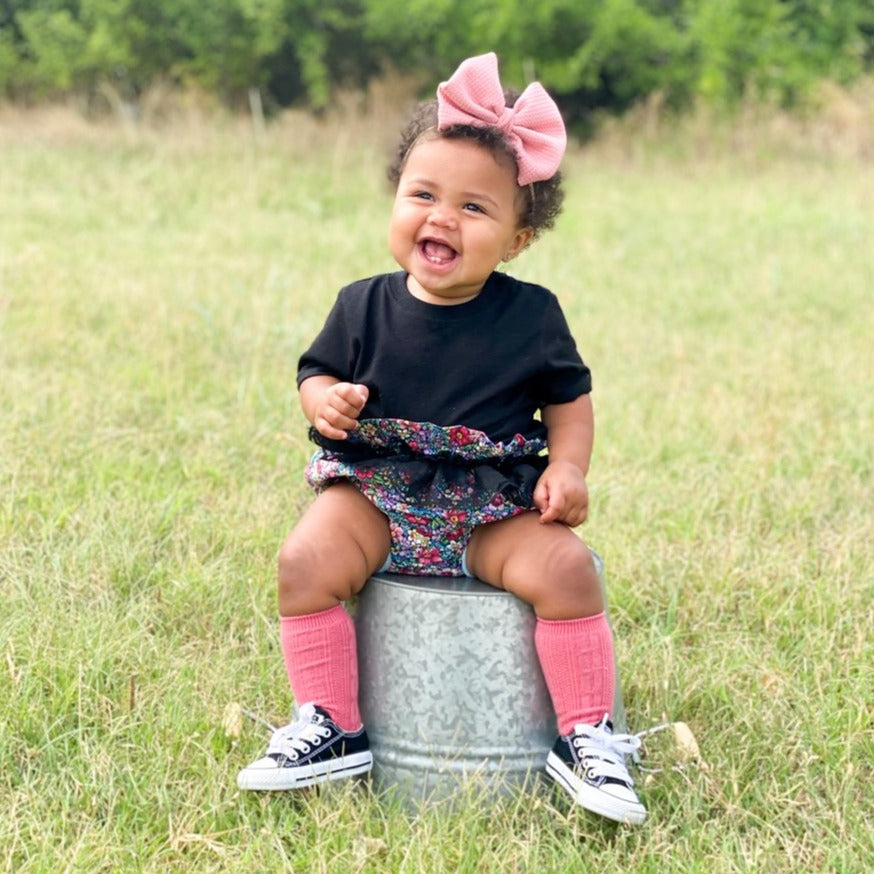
(542, 201)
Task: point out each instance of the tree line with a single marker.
(592, 54)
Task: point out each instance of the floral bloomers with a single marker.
(435, 484)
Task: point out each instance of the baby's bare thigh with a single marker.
(340, 540)
(548, 566)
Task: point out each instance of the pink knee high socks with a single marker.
(322, 662)
(576, 656)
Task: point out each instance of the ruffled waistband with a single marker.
(424, 440)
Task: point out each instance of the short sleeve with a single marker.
(563, 376)
(332, 351)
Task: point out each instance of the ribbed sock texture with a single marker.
(576, 656)
(322, 662)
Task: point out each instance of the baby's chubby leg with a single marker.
(327, 558)
(547, 566)
(552, 569)
(338, 543)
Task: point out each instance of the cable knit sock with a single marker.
(322, 662)
(576, 656)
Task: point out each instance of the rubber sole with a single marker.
(591, 797)
(278, 779)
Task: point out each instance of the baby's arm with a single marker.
(332, 406)
(561, 494)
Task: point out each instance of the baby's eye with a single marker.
(423, 195)
(473, 207)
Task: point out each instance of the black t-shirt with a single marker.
(489, 364)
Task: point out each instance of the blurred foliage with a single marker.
(592, 54)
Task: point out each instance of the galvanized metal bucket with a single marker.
(450, 686)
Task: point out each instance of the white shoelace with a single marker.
(299, 736)
(603, 753)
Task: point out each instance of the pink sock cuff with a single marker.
(572, 625)
(313, 621)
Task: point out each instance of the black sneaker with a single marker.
(312, 749)
(589, 765)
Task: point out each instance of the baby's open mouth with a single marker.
(436, 252)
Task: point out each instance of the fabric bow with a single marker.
(533, 127)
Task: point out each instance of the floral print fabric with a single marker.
(434, 483)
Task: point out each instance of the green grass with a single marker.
(156, 288)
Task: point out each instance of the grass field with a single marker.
(156, 287)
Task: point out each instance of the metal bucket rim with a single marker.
(463, 586)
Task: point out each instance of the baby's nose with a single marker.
(442, 217)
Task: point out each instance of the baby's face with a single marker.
(455, 218)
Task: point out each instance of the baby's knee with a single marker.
(573, 573)
(303, 586)
(571, 558)
(295, 561)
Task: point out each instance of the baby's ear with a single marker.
(522, 240)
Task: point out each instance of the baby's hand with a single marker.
(562, 495)
(339, 408)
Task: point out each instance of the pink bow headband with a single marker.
(533, 127)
